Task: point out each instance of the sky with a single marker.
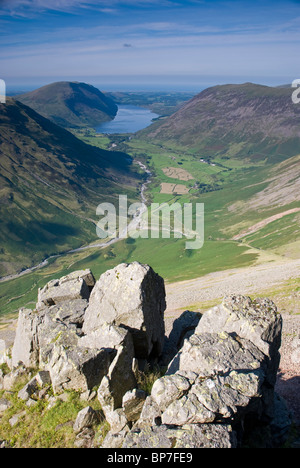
(149, 44)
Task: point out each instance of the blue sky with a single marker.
(147, 44)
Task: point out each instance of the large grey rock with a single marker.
(76, 285)
(188, 436)
(37, 331)
(58, 322)
(85, 418)
(77, 368)
(131, 296)
(258, 321)
(119, 380)
(26, 348)
(52, 338)
(106, 336)
(224, 373)
(214, 399)
(208, 354)
(232, 373)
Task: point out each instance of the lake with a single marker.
(129, 119)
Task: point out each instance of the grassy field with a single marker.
(168, 257)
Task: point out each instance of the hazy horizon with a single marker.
(136, 85)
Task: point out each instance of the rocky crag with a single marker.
(93, 337)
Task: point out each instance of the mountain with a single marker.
(250, 121)
(50, 186)
(71, 104)
(236, 149)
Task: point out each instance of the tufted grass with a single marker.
(40, 427)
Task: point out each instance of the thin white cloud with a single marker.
(34, 7)
(149, 44)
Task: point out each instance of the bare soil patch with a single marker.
(177, 173)
(174, 188)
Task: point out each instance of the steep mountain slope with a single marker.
(241, 146)
(71, 104)
(50, 186)
(250, 121)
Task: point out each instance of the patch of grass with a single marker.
(40, 427)
(286, 296)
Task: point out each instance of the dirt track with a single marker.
(264, 223)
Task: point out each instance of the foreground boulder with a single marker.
(26, 348)
(131, 296)
(119, 380)
(221, 370)
(258, 321)
(76, 285)
(38, 331)
(221, 380)
(76, 368)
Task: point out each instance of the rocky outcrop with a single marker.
(257, 321)
(223, 375)
(221, 368)
(77, 337)
(120, 379)
(88, 334)
(131, 296)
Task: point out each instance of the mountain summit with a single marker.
(71, 104)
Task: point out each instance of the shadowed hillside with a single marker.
(71, 104)
(50, 186)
